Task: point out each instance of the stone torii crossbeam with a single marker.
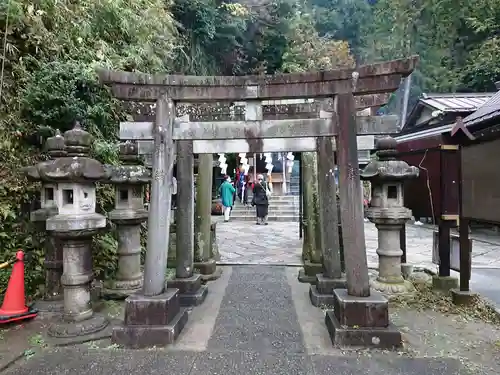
(154, 317)
(141, 132)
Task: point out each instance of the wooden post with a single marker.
(160, 199)
(350, 210)
(327, 196)
(465, 258)
(402, 242)
(152, 316)
(444, 226)
(301, 204)
(463, 294)
(311, 250)
(204, 239)
(356, 309)
(444, 247)
(191, 291)
(255, 167)
(283, 173)
(203, 219)
(321, 294)
(185, 210)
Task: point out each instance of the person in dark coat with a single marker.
(261, 200)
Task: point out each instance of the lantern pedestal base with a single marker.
(463, 298)
(361, 321)
(77, 330)
(444, 283)
(321, 294)
(151, 321)
(309, 272)
(208, 270)
(402, 288)
(191, 291)
(52, 305)
(121, 289)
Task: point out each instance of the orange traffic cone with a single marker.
(14, 303)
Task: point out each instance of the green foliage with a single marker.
(60, 92)
(129, 34)
(230, 38)
(456, 40)
(311, 52)
(49, 81)
(266, 39)
(342, 20)
(483, 68)
(210, 33)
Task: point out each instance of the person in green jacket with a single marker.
(226, 192)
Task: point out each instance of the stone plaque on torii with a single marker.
(154, 317)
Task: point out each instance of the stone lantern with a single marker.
(387, 212)
(129, 213)
(52, 300)
(74, 225)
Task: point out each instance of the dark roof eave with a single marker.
(482, 120)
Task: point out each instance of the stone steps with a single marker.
(279, 200)
(277, 203)
(294, 218)
(251, 212)
(284, 208)
(285, 198)
(272, 208)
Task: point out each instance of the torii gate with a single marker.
(154, 317)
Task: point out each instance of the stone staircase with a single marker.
(281, 208)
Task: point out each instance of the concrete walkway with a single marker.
(256, 320)
(279, 244)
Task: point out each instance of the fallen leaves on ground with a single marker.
(424, 298)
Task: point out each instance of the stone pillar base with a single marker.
(321, 294)
(50, 305)
(361, 321)
(401, 288)
(444, 283)
(82, 331)
(191, 291)
(309, 272)
(463, 298)
(120, 289)
(151, 321)
(208, 270)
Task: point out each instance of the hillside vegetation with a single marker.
(50, 49)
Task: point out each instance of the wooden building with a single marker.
(425, 141)
(479, 137)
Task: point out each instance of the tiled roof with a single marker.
(464, 103)
(457, 102)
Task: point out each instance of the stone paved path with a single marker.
(279, 244)
(256, 321)
(246, 243)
